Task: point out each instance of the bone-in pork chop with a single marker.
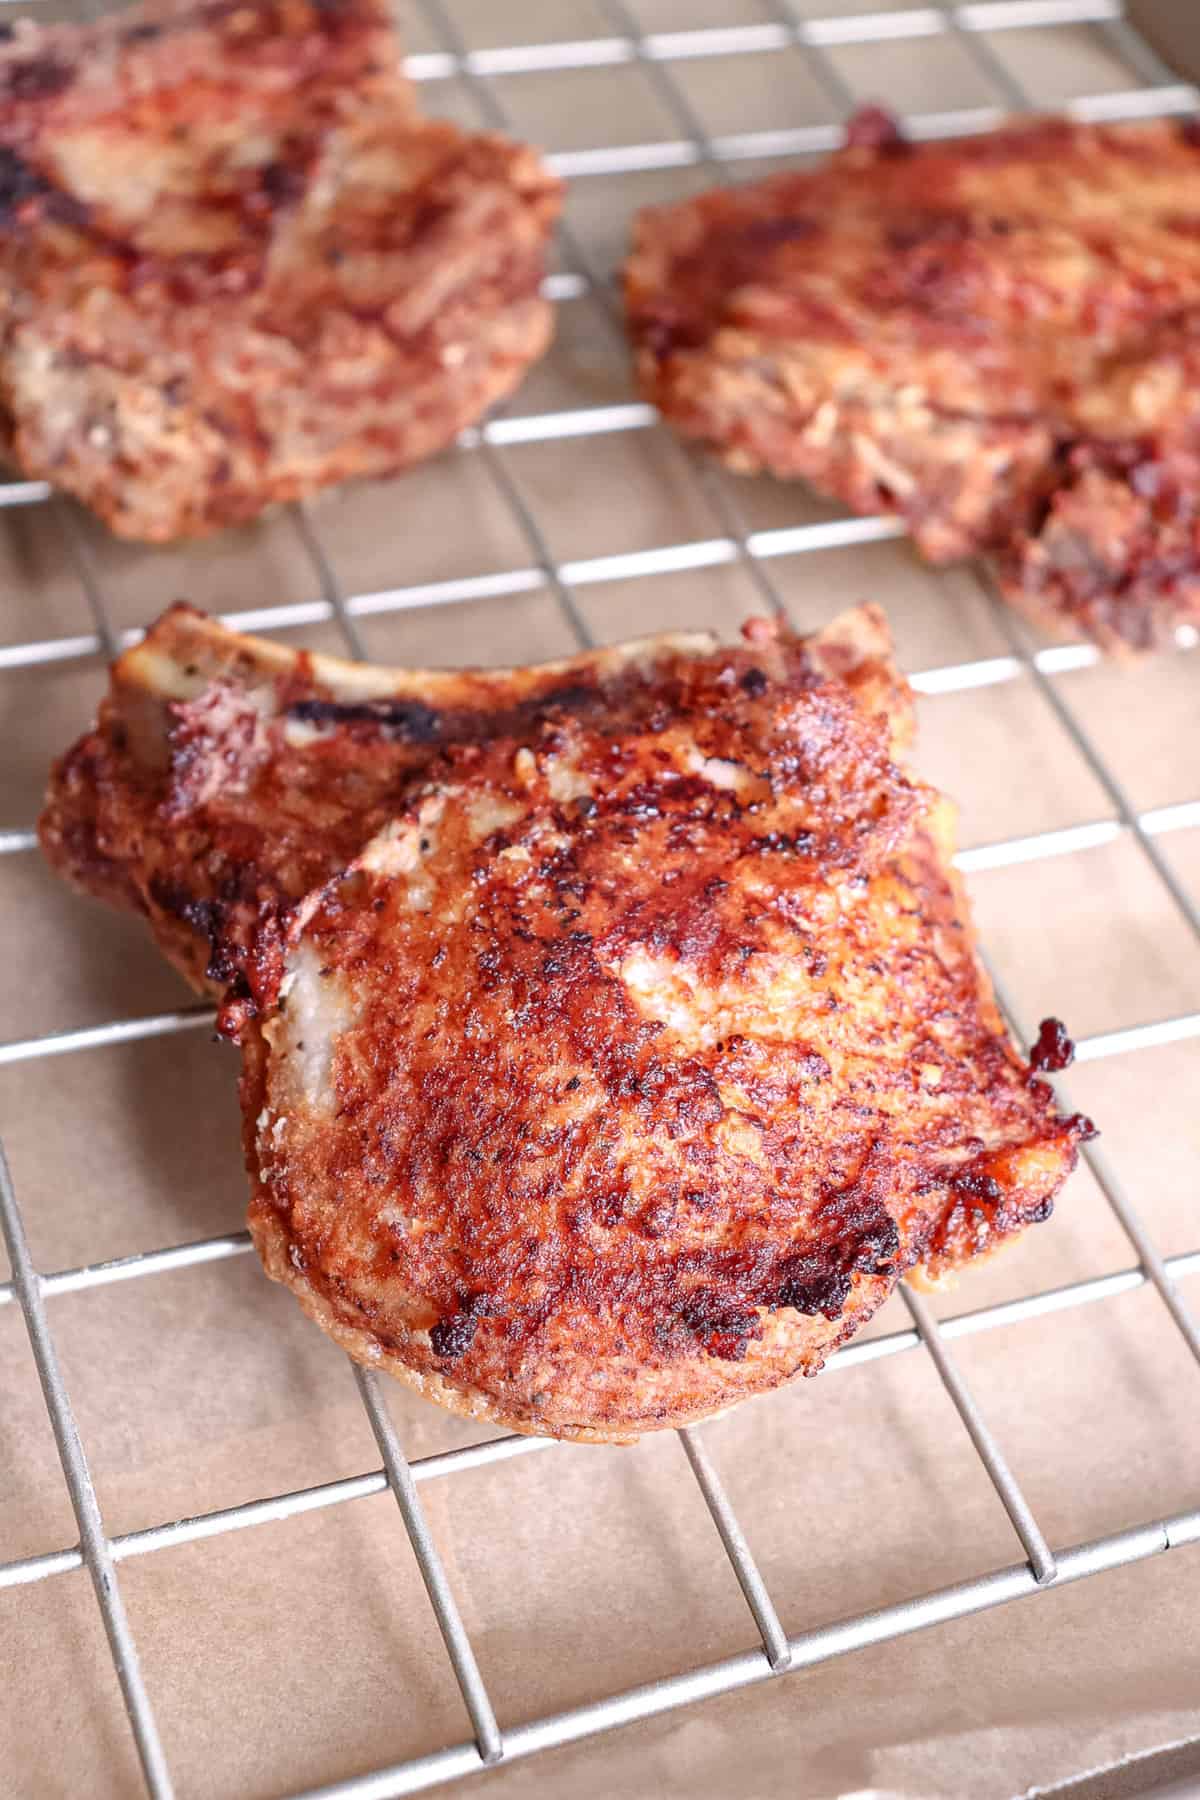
(614, 1037)
(996, 337)
(236, 265)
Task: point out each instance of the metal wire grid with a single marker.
(1156, 92)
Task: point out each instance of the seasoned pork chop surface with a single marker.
(630, 1065)
(994, 337)
(613, 1033)
(236, 265)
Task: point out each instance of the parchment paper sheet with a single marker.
(289, 1654)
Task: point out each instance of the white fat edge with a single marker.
(262, 1137)
(303, 1037)
(270, 1141)
(270, 1127)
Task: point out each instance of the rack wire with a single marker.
(1153, 90)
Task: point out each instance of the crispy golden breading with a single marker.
(635, 1049)
(237, 266)
(996, 337)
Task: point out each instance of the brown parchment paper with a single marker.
(298, 1652)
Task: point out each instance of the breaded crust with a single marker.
(613, 1034)
(237, 266)
(957, 332)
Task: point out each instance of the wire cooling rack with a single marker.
(1152, 89)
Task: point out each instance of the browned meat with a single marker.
(236, 266)
(959, 332)
(1119, 549)
(636, 1048)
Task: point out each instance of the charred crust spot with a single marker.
(1189, 130)
(797, 843)
(662, 334)
(181, 903)
(19, 181)
(978, 1185)
(38, 79)
(753, 682)
(820, 1281)
(1054, 1050)
(1082, 1127)
(576, 697)
(824, 1291)
(411, 720)
(723, 1326)
(65, 209)
(141, 34)
(282, 183)
(224, 967)
(451, 1338)
(767, 233)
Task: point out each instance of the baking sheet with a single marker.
(294, 1653)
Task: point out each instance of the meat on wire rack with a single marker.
(1154, 90)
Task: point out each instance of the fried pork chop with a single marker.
(636, 1048)
(994, 337)
(236, 266)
